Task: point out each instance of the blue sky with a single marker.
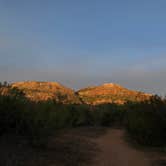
(85, 42)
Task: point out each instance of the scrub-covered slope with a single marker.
(42, 91)
(110, 93)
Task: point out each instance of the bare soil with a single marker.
(79, 147)
(116, 152)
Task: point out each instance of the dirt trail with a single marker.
(116, 152)
(79, 147)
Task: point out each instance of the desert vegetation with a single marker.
(37, 121)
(145, 121)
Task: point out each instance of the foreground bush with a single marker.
(37, 121)
(11, 112)
(146, 122)
(108, 115)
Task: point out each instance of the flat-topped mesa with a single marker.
(111, 85)
(42, 91)
(35, 84)
(110, 93)
(108, 84)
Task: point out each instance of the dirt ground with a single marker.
(79, 147)
(116, 152)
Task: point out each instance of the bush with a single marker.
(108, 115)
(11, 108)
(146, 122)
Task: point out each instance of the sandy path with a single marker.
(116, 152)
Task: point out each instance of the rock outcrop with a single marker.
(106, 93)
(42, 91)
(110, 93)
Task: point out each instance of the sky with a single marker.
(81, 43)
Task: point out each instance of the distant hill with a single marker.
(110, 93)
(106, 93)
(42, 91)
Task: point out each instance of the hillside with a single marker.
(106, 93)
(42, 91)
(110, 93)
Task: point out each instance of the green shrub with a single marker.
(108, 115)
(146, 122)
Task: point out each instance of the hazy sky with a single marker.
(85, 42)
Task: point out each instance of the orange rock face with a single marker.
(106, 93)
(4, 91)
(42, 91)
(110, 93)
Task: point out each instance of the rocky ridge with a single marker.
(105, 93)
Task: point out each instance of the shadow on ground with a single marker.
(157, 155)
(70, 147)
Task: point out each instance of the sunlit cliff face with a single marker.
(42, 91)
(110, 93)
(105, 93)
